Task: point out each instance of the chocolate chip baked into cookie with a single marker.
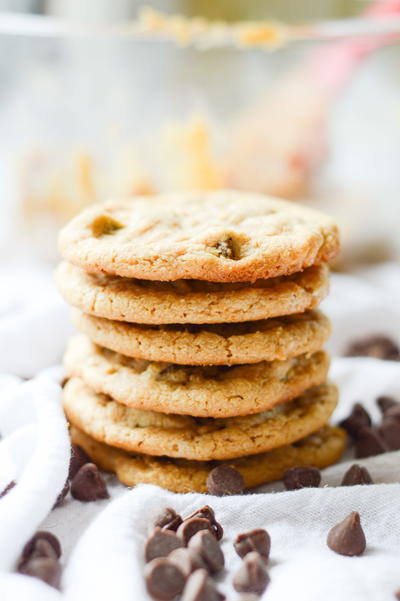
(200, 339)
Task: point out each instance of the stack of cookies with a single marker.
(199, 342)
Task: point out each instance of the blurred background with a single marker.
(297, 99)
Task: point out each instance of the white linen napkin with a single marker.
(34, 320)
(108, 561)
(103, 541)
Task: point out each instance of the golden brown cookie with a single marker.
(222, 236)
(191, 301)
(211, 344)
(179, 475)
(212, 391)
(201, 439)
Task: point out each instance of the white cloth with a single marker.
(108, 562)
(34, 321)
(103, 541)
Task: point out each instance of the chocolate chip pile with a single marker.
(372, 439)
(183, 556)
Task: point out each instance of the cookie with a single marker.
(222, 236)
(173, 435)
(212, 391)
(211, 344)
(191, 301)
(179, 475)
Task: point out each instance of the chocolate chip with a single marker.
(78, 458)
(7, 489)
(187, 559)
(200, 587)
(160, 544)
(168, 519)
(164, 580)
(88, 484)
(225, 480)
(347, 537)
(190, 526)
(386, 402)
(105, 225)
(229, 248)
(359, 418)
(42, 549)
(30, 549)
(369, 443)
(62, 495)
(302, 477)
(255, 540)
(207, 546)
(356, 475)
(393, 412)
(389, 431)
(47, 569)
(379, 347)
(252, 576)
(174, 375)
(208, 514)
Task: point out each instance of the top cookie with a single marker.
(223, 236)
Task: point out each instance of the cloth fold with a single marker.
(45, 449)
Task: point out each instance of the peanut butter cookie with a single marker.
(211, 344)
(222, 236)
(191, 301)
(180, 475)
(212, 391)
(201, 439)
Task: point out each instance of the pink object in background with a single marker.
(278, 143)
